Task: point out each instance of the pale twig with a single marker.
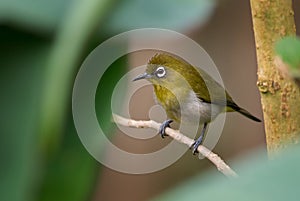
(214, 158)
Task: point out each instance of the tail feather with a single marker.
(247, 114)
(232, 106)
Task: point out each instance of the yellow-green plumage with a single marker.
(198, 81)
(187, 93)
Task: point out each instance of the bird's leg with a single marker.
(196, 144)
(164, 125)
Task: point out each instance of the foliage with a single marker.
(259, 179)
(42, 46)
(288, 49)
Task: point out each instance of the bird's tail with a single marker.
(247, 114)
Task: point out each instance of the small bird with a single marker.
(168, 75)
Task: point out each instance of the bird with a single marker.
(185, 91)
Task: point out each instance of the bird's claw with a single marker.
(162, 128)
(196, 144)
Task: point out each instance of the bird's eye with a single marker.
(160, 72)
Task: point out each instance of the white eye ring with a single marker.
(160, 72)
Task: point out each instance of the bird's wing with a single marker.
(210, 91)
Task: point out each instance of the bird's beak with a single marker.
(142, 76)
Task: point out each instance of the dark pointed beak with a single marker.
(142, 76)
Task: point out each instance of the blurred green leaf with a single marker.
(104, 93)
(46, 16)
(170, 14)
(69, 46)
(288, 49)
(22, 58)
(71, 174)
(259, 179)
(25, 173)
(41, 15)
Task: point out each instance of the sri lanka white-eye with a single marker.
(166, 73)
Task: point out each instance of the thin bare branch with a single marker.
(214, 158)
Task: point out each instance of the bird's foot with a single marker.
(162, 128)
(196, 144)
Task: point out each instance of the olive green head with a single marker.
(169, 71)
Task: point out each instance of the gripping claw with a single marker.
(197, 143)
(162, 128)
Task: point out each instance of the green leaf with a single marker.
(71, 173)
(260, 179)
(170, 14)
(104, 93)
(25, 173)
(288, 49)
(69, 46)
(40, 15)
(22, 58)
(47, 16)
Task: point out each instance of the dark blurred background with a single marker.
(42, 47)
